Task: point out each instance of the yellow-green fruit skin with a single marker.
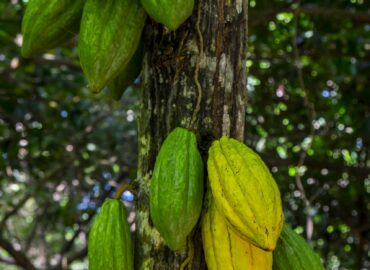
(48, 24)
(171, 13)
(110, 244)
(293, 253)
(245, 192)
(176, 190)
(109, 36)
(225, 250)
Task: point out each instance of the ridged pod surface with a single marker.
(176, 191)
(225, 250)
(127, 76)
(47, 24)
(109, 35)
(171, 13)
(293, 253)
(245, 192)
(110, 245)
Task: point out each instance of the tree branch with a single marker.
(258, 17)
(54, 62)
(314, 53)
(39, 60)
(272, 160)
(78, 255)
(13, 211)
(6, 261)
(67, 260)
(19, 258)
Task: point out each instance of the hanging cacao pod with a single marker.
(109, 35)
(225, 250)
(110, 245)
(118, 86)
(176, 190)
(169, 13)
(48, 24)
(245, 192)
(293, 253)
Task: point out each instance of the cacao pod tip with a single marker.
(173, 27)
(25, 52)
(177, 247)
(116, 98)
(94, 89)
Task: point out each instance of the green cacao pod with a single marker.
(245, 192)
(118, 86)
(109, 35)
(110, 245)
(176, 190)
(225, 250)
(170, 13)
(48, 24)
(293, 253)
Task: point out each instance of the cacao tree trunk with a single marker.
(195, 78)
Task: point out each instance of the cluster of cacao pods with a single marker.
(244, 204)
(109, 42)
(242, 222)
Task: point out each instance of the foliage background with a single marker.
(64, 150)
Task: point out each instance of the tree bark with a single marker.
(195, 78)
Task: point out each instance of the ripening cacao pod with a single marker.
(293, 253)
(48, 24)
(245, 192)
(118, 86)
(110, 245)
(109, 35)
(225, 250)
(170, 13)
(176, 191)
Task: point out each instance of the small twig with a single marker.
(265, 16)
(122, 189)
(312, 116)
(7, 261)
(188, 262)
(19, 258)
(13, 211)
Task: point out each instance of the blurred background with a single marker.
(63, 150)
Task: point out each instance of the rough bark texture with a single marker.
(195, 78)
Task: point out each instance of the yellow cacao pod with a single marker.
(225, 250)
(245, 192)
